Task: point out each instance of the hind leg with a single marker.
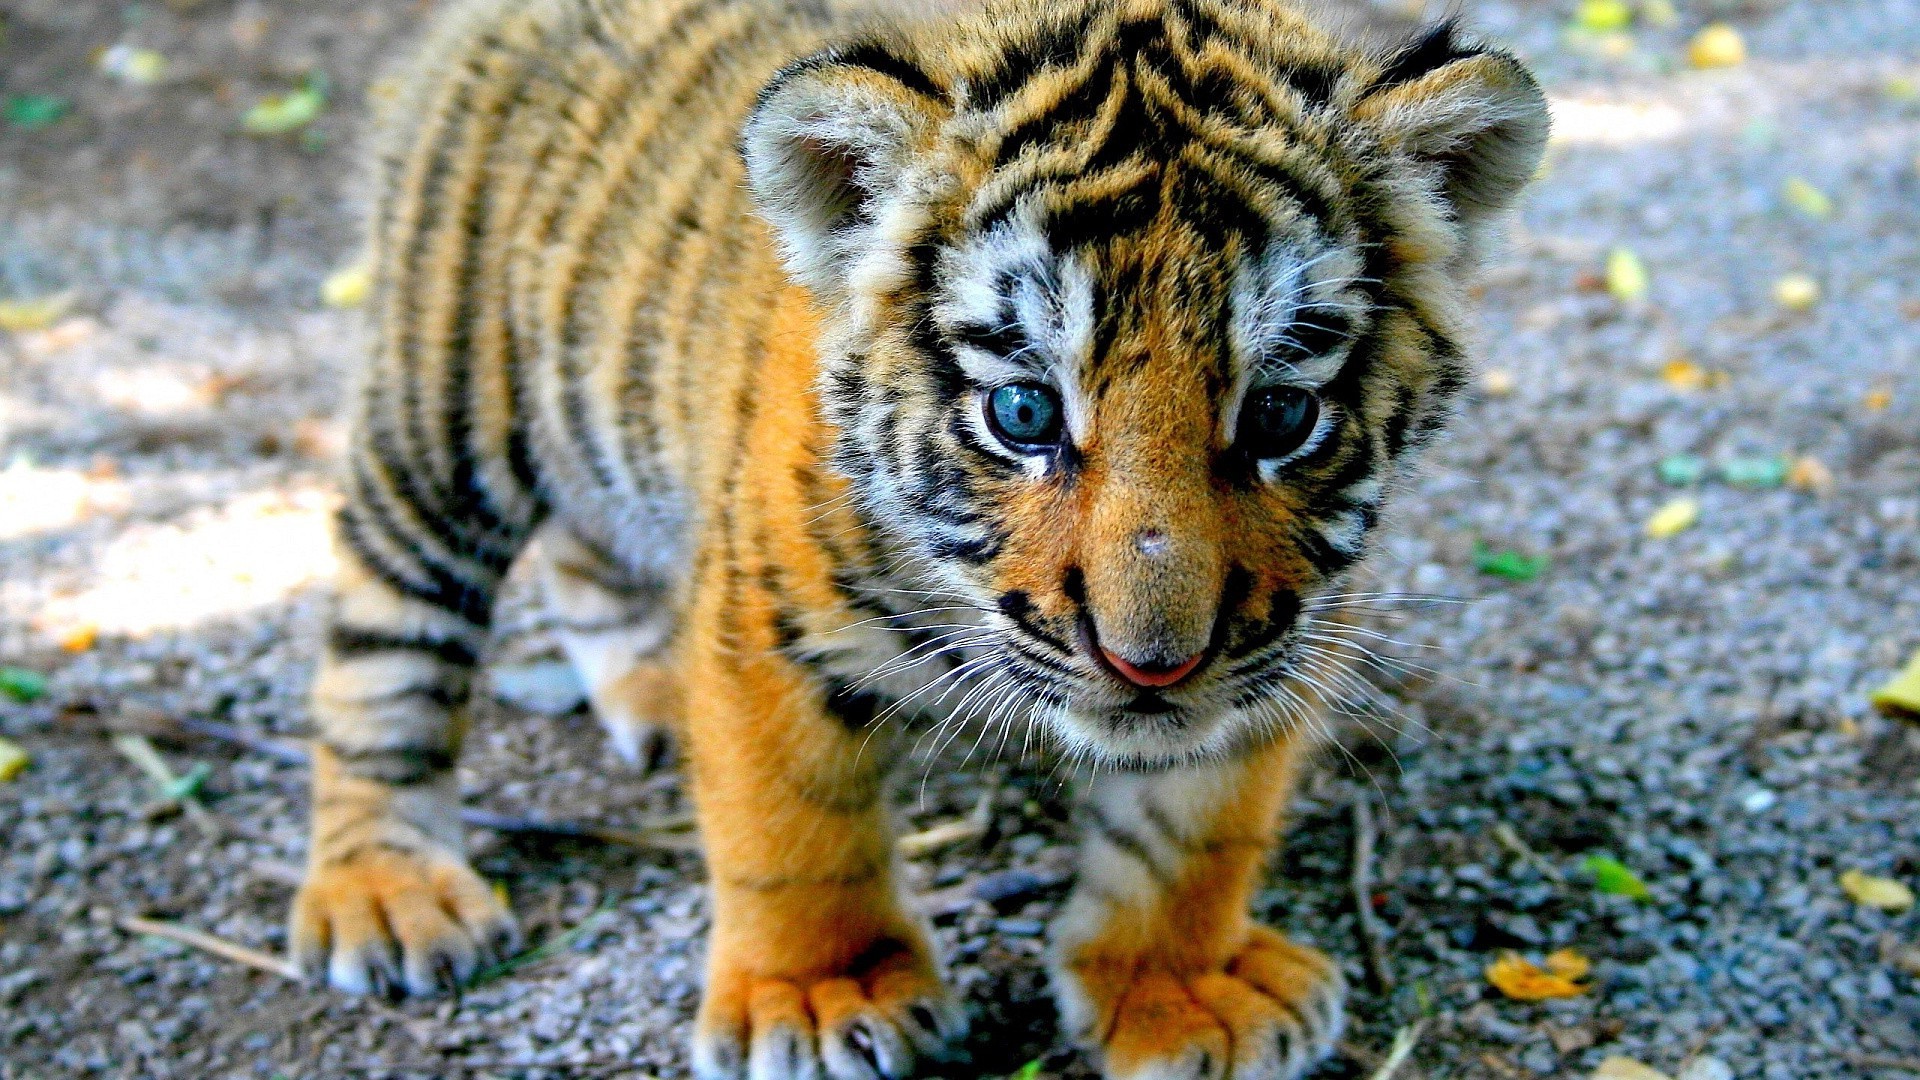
(615, 632)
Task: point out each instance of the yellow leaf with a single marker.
(1603, 15)
(1717, 46)
(23, 315)
(1877, 399)
(1674, 518)
(13, 759)
(1684, 374)
(80, 638)
(1796, 292)
(1626, 276)
(1569, 964)
(347, 287)
(1810, 474)
(1902, 695)
(1876, 892)
(1523, 980)
(1625, 1068)
(1807, 199)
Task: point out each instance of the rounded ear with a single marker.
(1472, 112)
(827, 144)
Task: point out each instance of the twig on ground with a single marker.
(174, 788)
(1359, 1055)
(1501, 1065)
(1404, 1041)
(1365, 835)
(597, 1066)
(1881, 1061)
(1510, 840)
(948, 833)
(651, 839)
(665, 837)
(547, 949)
(239, 954)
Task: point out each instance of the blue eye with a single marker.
(1277, 420)
(1024, 415)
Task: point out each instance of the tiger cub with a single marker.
(1041, 365)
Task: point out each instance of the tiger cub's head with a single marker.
(1135, 309)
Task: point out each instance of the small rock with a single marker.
(545, 688)
(1009, 890)
(1706, 1068)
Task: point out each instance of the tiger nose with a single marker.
(1151, 675)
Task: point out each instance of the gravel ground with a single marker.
(1693, 706)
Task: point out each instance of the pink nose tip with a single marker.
(1155, 676)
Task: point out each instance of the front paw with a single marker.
(387, 920)
(876, 1021)
(1271, 1012)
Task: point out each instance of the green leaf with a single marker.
(1755, 472)
(22, 685)
(1682, 470)
(188, 786)
(31, 112)
(1612, 877)
(287, 112)
(1510, 565)
(1026, 1072)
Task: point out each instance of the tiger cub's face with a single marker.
(1134, 311)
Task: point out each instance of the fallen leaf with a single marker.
(1810, 474)
(1901, 695)
(282, 113)
(1796, 292)
(1877, 399)
(1626, 276)
(1682, 470)
(22, 316)
(1508, 564)
(347, 287)
(132, 65)
(1674, 518)
(31, 112)
(1901, 88)
(1523, 980)
(80, 638)
(1600, 16)
(1807, 199)
(22, 685)
(1684, 374)
(1884, 893)
(1717, 45)
(1625, 1068)
(188, 786)
(1611, 876)
(1755, 472)
(13, 759)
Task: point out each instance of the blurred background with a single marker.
(1681, 511)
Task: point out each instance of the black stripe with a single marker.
(1128, 843)
(360, 641)
(398, 765)
(1431, 49)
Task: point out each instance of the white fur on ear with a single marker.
(1472, 113)
(826, 147)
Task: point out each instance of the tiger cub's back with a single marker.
(571, 279)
